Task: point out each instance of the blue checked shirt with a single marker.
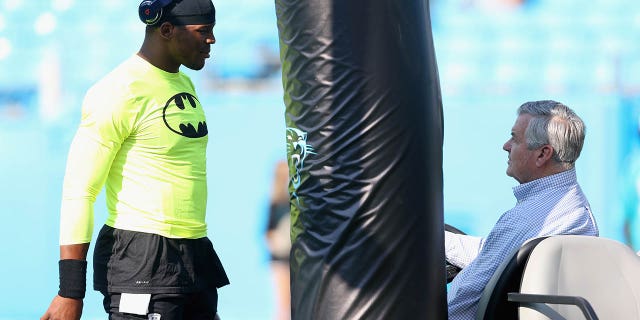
(551, 205)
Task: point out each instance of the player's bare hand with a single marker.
(63, 309)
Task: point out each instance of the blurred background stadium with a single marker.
(492, 56)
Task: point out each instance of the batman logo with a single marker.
(183, 115)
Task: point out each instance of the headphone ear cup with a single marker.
(149, 11)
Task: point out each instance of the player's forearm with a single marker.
(73, 270)
(74, 251)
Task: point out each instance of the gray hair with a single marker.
(555, 124)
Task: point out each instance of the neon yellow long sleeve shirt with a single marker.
(143, 135)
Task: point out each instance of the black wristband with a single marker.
(73, 278)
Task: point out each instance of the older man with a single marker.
(545, 143)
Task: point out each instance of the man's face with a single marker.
(522, 161)
(192, 45)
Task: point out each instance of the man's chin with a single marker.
(195, 66)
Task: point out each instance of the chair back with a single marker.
(493, 302)
(603, 271)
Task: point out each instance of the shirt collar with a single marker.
(553, 181)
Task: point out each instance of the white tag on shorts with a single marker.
(134, 303)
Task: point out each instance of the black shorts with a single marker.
(169, 306)
(136, 262)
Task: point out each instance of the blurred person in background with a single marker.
(278, 238)
(143, 135)
(545, 142)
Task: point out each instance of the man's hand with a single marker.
(63, 309)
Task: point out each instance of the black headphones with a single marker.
(150, 11)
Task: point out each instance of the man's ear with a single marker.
(166, 30)
(544, 155)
